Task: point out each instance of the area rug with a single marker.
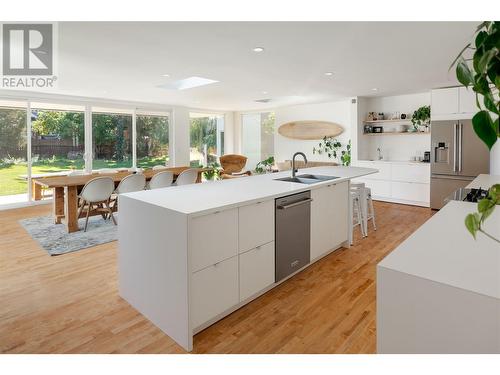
(56, 240)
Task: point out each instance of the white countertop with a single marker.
(208, 196)
(442, 250)
(395, 162)
(484, 181)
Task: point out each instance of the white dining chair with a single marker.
(161, 180)
(95, 197)
(188, 176)
(156, 167)
(129, 184)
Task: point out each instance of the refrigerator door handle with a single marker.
(460, 136)
(455, 144)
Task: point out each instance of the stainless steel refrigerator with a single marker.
(457, 157)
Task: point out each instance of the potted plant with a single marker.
(421, 118)
(482, 74)
(265, 165)
(333, 149)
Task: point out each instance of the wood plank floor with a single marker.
(70, 303)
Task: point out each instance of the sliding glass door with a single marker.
(206, 138)
(111, 140)
(257, 137)
(152, 140)
(13, 155)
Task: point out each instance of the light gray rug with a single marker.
(56, 240)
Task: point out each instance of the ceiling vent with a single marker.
(263, 100)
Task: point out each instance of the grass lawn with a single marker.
(11, 181)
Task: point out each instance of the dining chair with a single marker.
(188, 176)
(129, 184)
(161, 179)
(96, 195)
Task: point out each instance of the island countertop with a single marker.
(209, 196)
(442, 250)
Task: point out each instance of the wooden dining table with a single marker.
(66, 189)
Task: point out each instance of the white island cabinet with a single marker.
(439, 291)
(190, 255)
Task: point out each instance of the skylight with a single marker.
(188, 83)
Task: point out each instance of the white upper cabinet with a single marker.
(452, 103)
(256, 225)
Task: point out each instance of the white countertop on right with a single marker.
(484, 181)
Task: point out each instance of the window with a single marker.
(152, 140)
(13, 155)
(257, 137)
(206, 139)
(111, 140)
(57, 141)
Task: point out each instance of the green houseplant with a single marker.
(333, 149)
(264, 165)
(213, 173)
(421, 117)
(481, 72)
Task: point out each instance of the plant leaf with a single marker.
(489, 103)
(485, 59)
(459, 56)
(464, 75)
(483, 126)
(472, 224)
(481, 36)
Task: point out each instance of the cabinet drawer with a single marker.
(256, 225)
(213, 238)
(380, 189)
(411, 191)
(411, 173)
(256, 270)
(214, 290)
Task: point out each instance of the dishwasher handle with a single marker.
(284, 207)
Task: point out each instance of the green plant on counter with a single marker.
(213, 173)
(421, 116)
(481, 72)
(474, 222)
(264, 165)
(333, 149)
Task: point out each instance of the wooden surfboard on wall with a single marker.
(310, 130)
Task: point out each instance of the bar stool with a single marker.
(357, 213)
(366, 204)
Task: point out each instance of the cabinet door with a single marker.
(444, 101)
(214, 290)
(329, 218)
(380, 189)
(213, 238)
(411, 172)
(256, 270)
(467, 100)
(384, 171)
(411, 192)
(256, 225)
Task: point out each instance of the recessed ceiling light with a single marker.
(264, 92)
(166, 75)
(374, 89)
(258, 49)
(329, 74)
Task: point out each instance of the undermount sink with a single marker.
(307, 178)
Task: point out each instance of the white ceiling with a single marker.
(126, 61)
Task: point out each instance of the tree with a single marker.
(61, 123)
(12, 133)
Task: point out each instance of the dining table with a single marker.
(66, 190)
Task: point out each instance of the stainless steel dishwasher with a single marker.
(293, 233)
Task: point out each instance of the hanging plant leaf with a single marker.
(484, 128)
(464, 75)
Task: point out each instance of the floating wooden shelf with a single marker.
(386, 121)
(398, 133)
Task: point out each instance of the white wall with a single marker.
(180, 138)
(393, 147)
(338, 112)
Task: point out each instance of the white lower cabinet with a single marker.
(255, 225)
(256, 270)
(213, 290)
(329, 225)
(414, 192)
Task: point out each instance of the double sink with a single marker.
(307, 178)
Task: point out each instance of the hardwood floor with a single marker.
(70, 303)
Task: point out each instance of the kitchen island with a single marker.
(439, 291)
(190, 255)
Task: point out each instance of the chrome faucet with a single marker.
(293, 162)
